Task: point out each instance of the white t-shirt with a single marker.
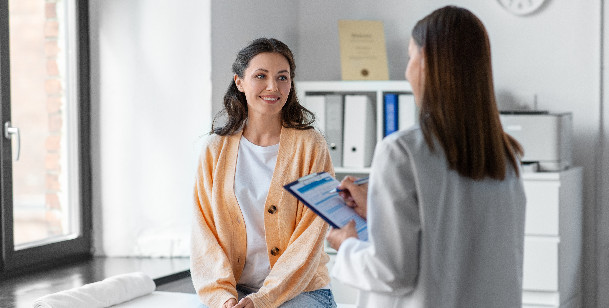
(253, 174)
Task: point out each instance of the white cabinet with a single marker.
(540, 264)
(553, 239)
(375, 90)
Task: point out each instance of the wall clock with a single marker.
(521, 7)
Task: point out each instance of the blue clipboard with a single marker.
(315, 191)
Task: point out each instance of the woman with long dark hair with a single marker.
(253, 244)
(445, 204)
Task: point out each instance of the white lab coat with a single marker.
(437, 239)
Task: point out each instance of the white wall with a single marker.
(151, 90)
(236, 23)
(553, 54)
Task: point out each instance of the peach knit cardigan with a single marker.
(294, 234)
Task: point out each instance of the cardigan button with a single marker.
(275, 251)
(272, 209)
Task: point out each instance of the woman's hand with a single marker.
(245, 302)
(355, 196)
(230, 303)
(336, 237)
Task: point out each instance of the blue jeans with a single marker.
(321, 298)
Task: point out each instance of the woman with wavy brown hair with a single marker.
(253, 244)
(445, 203)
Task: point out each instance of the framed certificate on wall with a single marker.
(363, 54)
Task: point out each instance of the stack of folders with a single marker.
(349, 125)
(328, 110)
(399, 112)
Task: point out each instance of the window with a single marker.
(44, 95)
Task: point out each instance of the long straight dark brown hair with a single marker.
(458, 105)
(293, 114)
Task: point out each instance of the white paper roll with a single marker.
(110, 291)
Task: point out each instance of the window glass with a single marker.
(43, 109)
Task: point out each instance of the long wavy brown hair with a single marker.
(458, 105)
(293, 115)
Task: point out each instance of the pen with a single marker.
(356, 182)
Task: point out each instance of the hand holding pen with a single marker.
(356, 182)
(355, 194)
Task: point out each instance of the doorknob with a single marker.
(9, 131)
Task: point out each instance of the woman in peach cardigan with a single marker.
(253, 244)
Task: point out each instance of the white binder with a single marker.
(359, 131)
(407, 111)
(334, 128)
(317, 105)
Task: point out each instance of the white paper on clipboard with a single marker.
(314, 191)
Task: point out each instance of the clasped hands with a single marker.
(356, 198)
(243, 303)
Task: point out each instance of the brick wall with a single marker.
(55, 103)
(37, 103)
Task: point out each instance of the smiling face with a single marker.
(266, 84)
